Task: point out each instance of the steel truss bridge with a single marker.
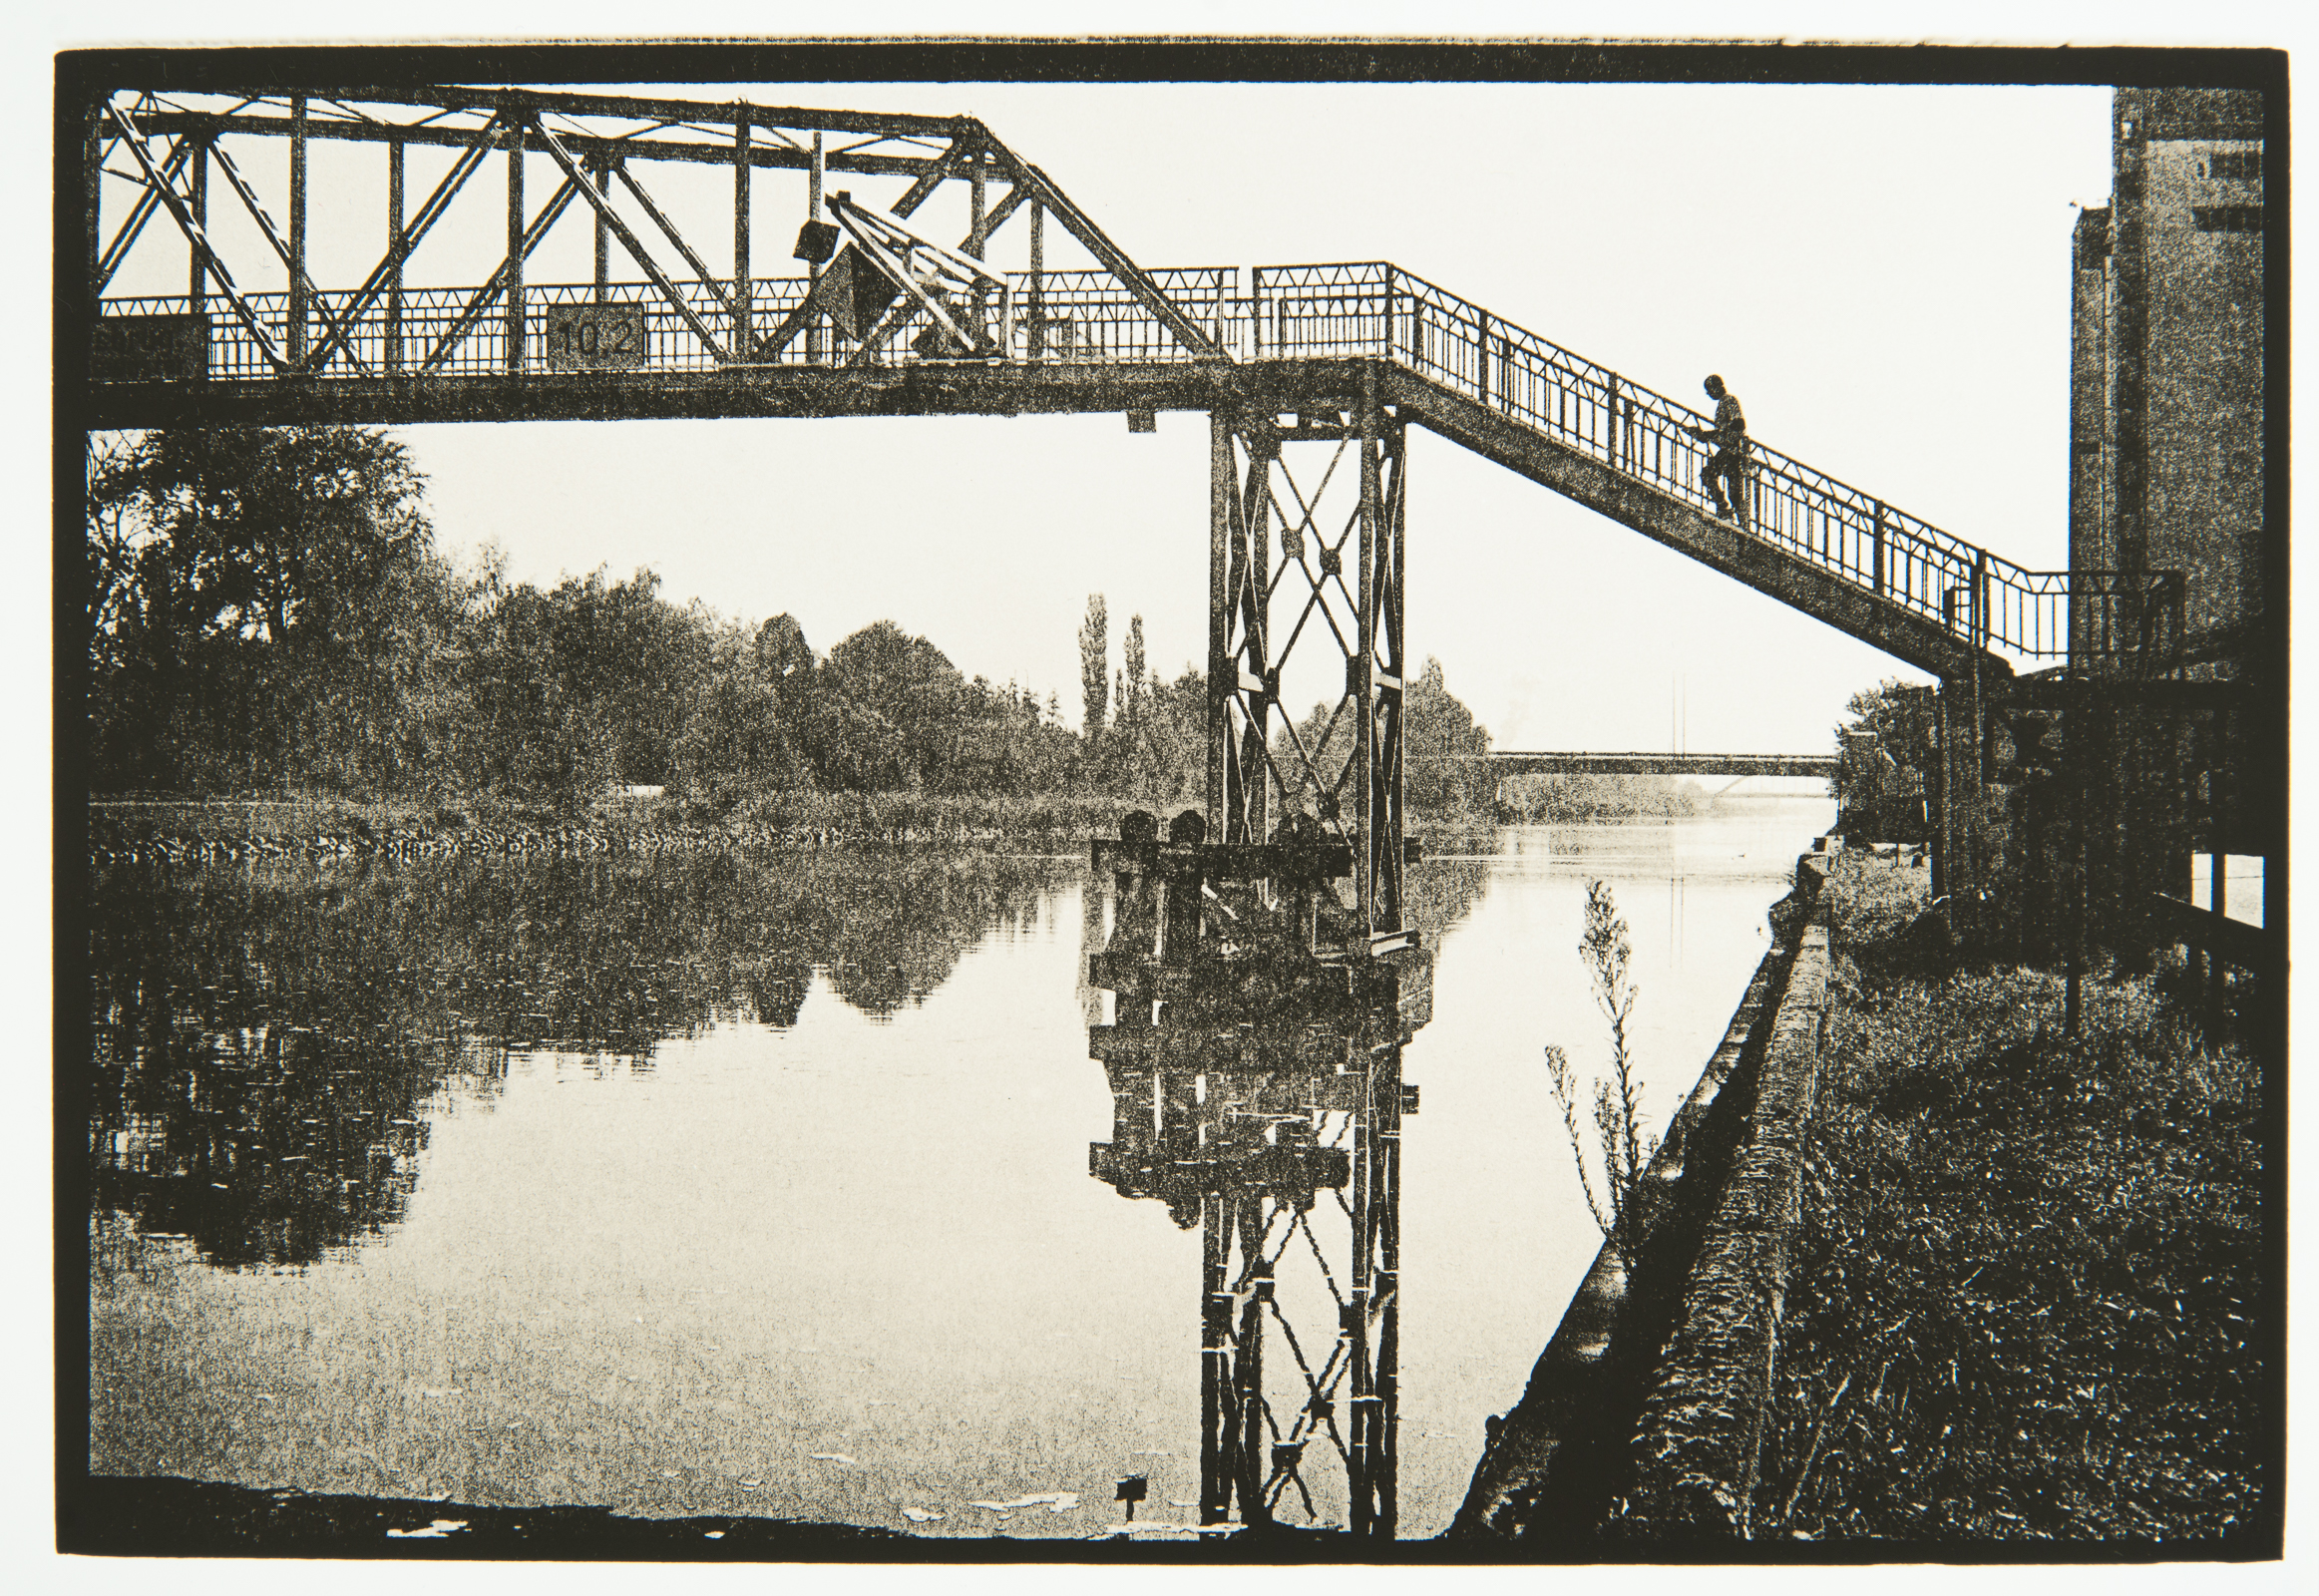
(1310, 375)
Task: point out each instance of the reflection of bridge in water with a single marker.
(1254, 1063)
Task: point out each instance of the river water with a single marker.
(761, 1185)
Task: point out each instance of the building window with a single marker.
(2238, 163)
(2227, 218)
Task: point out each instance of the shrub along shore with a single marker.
(325, 826)
(2027, 1299)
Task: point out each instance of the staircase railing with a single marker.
(1361, 309)
(1376, 309)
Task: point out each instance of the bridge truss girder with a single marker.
(590, 141)
(1277, 532)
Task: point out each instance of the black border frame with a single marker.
(83, 1508)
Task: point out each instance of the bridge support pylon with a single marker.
(1326, 538)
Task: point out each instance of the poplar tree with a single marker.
(1131, 698)
(1095, 668)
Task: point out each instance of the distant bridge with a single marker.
(1639, 764)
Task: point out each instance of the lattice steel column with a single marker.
(1258, 1093)
(1384, 485)
(1342, 570)
(1374, 1466)
(1241, 690)
(1215, 1361)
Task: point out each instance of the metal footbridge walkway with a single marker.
(890, 321)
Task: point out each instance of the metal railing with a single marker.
(1085, 316)
(1357, 309)
(1376, 309)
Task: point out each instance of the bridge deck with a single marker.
(1082, 341)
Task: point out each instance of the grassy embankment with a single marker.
(2027, 1283)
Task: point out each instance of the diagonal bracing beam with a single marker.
(148, 201)
(574, 178)
(337, 325)
(399, 252)
(549, 216)
(709, 279)
(933, 176)
(182, 214)
(1113, 258)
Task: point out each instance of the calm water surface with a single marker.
(761, 1185)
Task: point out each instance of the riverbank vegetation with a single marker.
(276, 637)
(1887, 754)
(2027, 1299)
(1593, 800)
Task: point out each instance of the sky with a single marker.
(1880, 273)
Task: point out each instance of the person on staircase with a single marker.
(1727, 465)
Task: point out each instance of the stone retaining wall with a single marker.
(1700, 1435)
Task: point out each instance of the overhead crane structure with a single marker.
(1310, 374)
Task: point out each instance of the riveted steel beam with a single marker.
(598, 145)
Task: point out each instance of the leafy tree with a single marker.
(782, 649)
(883, 714)
(1883, 760)
(1442, 747)
(1176, 738)
(1007, 745)
(1131, 697)
(260, 601)
(538, 732)
(268, 529)
(735, 738)
(590, 683)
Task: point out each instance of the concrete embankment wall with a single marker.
(1701, 1436)
(1665, 1344)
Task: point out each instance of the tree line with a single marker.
(268, 609)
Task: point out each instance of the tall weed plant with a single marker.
(1626, 1148)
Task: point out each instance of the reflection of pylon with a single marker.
(1257, 1092)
